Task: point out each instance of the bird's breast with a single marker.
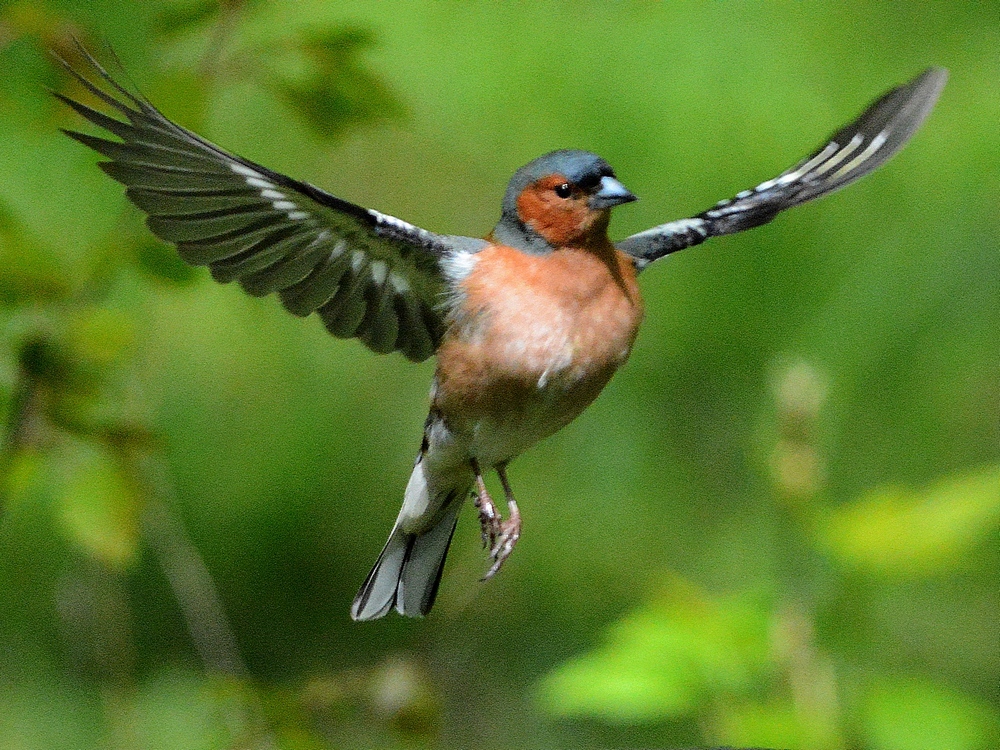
(532, 341)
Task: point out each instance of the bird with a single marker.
(528, 324)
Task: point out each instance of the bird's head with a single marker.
(561, 199)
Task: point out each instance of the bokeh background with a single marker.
(777, 527)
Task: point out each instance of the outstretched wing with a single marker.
(851, 153)
(367, 275)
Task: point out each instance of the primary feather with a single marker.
(849, 154)
(366, 274)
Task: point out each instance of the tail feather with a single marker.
(421, 574)
(378, 593)
(408, 571)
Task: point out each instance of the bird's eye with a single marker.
(564, 190)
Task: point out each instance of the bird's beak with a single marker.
(610, 193)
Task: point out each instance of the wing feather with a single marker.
(316, 289)
(365, 273)
(849, 154)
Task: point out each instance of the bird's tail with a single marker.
(407, 573)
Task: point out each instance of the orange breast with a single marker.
(533, 342)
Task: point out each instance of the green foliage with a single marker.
(322, 79)
(740, 661)
(95, 504)
(892, 531)
(909, 714)
(162, 263)
(777, 527)
(179, 709)
(669, 659)
(752, 669)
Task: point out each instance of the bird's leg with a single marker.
(510, 530)
(489, 516)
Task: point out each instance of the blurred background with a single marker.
(777, 527)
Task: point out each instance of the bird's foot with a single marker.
(504, 540)
(489, 518)
(499, 536)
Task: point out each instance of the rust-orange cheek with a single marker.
(559, 221)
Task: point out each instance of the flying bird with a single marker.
(528, 324)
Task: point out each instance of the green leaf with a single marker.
(665, 659)
(323, 79)
(97, 506)
(21, 473)
(894, 531)
(45, 361)
(99, 336)
(162, 262)
(774, 724)
(913, 714)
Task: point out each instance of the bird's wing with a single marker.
(366, 274)
(851, 153)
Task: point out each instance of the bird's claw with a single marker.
(510, 532)
(489, 520)
(499, 536)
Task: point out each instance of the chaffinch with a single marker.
(528, 324)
